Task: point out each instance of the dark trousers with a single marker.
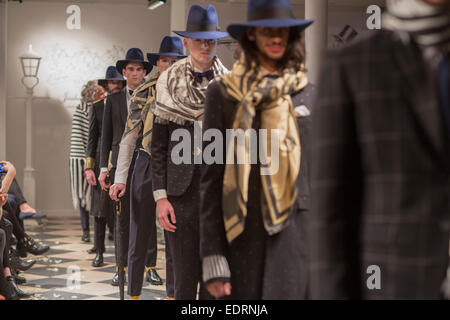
(170, 281)
(142, 245)
(101, 208)
(7, 227)
(9, 213)
(84, 216)
(99, 233)
(110, 223)
(17, 192)
(4, 287)
(122, 221)
(184, 243)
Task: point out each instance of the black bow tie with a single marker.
(130, 92)
(198, 76)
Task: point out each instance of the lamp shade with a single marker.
(30, 62)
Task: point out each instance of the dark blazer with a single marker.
(114, 120)
(95, 130)
(380, 179)
(175, 178)
(213, 238)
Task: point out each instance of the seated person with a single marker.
(11, 290)
(25, 210)
(25, 243)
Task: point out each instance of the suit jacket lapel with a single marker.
(419, 89)
(123, 107)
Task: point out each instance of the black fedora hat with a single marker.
(111, 74)
(170, 47)
(202, 23)
(133, 55)
(268, 13)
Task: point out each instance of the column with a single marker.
(316, 36)
(3, 48)
(29, 181)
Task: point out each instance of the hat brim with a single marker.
(202, 34)
(153, 57)
(102, 82)
(236, 30)
(120, 65)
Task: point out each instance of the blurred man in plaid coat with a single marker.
(381, 180)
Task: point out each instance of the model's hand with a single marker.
(90, 177)
(117, 188)
(105, 186)
(166, 215)
(219, 289)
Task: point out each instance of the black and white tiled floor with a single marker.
(65, 272)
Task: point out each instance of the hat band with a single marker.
(135, 59)
(270, 13)
(171, 50)
(201, 27)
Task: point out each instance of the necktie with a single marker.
(444, 86)
(130, 91)
(198, 76)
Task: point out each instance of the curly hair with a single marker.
(89, 91)
(294, 57)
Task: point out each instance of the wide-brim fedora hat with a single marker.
(268, 13)
(133, 55)
(170, 47)
(111, 75)
(202, 23)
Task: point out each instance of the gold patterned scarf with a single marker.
(140, 114)
(271, 95)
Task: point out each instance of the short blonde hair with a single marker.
(89, 91)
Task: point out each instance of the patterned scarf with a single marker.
(139, 114)
(428, 25)
(271, 95)
(179, 98)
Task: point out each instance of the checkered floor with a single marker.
(65, 272)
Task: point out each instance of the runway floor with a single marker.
(65, 272)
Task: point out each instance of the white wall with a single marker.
(71, 58)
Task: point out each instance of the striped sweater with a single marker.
(80, 131)
(81, 196)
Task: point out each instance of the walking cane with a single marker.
(119, 246)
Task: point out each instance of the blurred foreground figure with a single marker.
(381, 174)
(253, 239)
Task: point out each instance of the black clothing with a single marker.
(262, 266)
